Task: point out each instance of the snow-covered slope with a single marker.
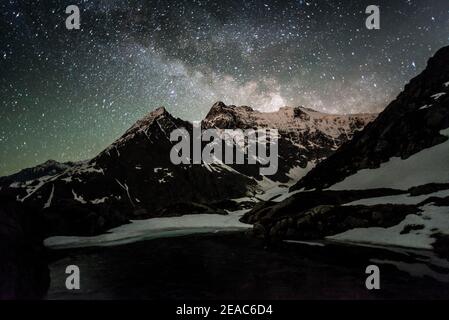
(430, 165)
(46, 169)
(298, 121)
(407, 126)
(153, 228)
(134, 178)
(389, 185)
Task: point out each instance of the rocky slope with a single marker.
(408, 125)
(134, 178)
(48, 168)
(389, 185)
(306, 136)
(23, 265)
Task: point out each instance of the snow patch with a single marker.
(15, 185)
(433, 219)
(98, 201)
(50, 198)
(78, 198)
(125, 187)
(139, 230)
(398, 199)
(430, 165)
(419, 270)
(297, 173)
(438, 95)
(425, 106)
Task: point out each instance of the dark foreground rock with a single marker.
(23, 267)
(326, 220)
(134, 177)
(297, 203)
(409, 124)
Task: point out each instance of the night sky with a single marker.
(65, 95)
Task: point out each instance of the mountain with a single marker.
(389, 185)
(306, 136)
(411, 123)
(48, 168)
(134, 178)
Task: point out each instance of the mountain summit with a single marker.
(134, 178)
(389, 185)
(306, 136)
(408, 125)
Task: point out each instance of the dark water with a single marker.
(237, 266)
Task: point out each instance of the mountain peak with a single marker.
(218, 105)
(442, 55)
(226, 116)
(158, 116)
(159, 111)
(156, 113)
(408, 125)
(149, 118)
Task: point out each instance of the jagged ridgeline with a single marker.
(134, 178)
(389, 185)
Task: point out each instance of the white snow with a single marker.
(50, 198)
(163, 130)
(243, 199)
(426, 106)
(98, 201)
(207, 166)
(398, 199)
(434, 219)
(15, 185)
(296, 173)
(30, 190)
(416, 269)
(78, 198)
(427, 166)
(438, 95)
(93, 169)
(126, 188)
(139, 230)
(68, 179)
(268, 189)
(309, 243)
(446, 84)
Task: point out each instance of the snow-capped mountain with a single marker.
(134, 177)
(411, 123)
(306, 136)
(389, 185)
(48, 168)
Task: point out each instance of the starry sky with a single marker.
(65, 95)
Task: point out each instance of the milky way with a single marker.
(66, 95)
